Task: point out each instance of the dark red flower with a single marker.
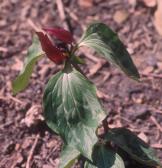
(61, 34)
(52, 52)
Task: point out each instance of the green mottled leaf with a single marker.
(100, 37)
(134, 146)
(105, 158)
(89, 165)
(68, 157)
(71, 109)
(77, 60)
(34, 53)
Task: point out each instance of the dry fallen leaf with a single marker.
(120, 16)
(150, 3)
(158, 18)
(86, 3)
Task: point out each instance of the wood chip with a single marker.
(150, 3)
(148, 70)
(33, 116)
(159, 64)
(96, 68)
(158, 18)
(3, 49)
(102, 95)
(18, 65)
(158, 146)
(47, 166)
(143, 137)
(85, 3)
(120, 16)
(156, 123)
(132, 2)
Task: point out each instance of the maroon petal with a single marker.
(61, 34)
(52, 52)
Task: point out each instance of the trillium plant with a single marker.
(70, 104)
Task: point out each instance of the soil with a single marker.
(129, 104)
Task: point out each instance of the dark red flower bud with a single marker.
(60, 34)
(52, 52)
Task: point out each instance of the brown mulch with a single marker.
(137, 106)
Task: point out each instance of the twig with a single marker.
(96, 68)
(74, 17)
(32, 151)
(123, 118)
(106, 76)
(93, 58)
(60, 7)
(72, 14)
(156, 123)
(34, 26)
(152, 75)
(16, 160)
(8, 97)
(158, 146)
(15, 99)
(51, 153)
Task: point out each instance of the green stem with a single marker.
(78, 68)
(67, 67)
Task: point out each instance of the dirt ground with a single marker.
(24, 136)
